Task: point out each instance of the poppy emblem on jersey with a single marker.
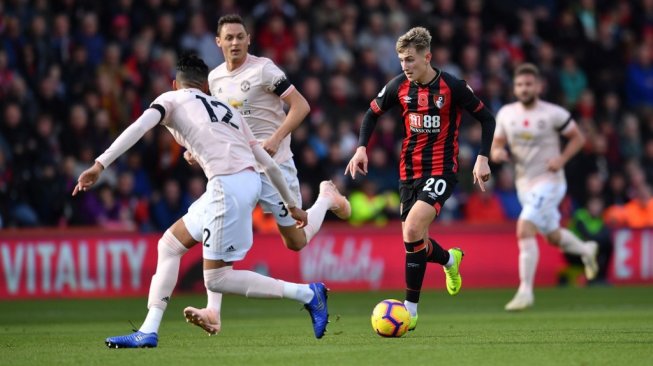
(422, 100)
(244, 86)
(439, 100)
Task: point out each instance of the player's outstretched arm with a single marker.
(298, 109)
(88, 178)
(150, 118)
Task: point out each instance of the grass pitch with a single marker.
(574, 326)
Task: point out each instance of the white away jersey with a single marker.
(534, 138)
(213, 132)
(255, 89)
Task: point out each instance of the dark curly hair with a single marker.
(192, 69)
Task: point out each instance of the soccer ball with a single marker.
(390, 318)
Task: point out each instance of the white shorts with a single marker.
(271, 200)
(540, 205)
(222, 218)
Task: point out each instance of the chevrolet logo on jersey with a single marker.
(526, 136)
(235, 103)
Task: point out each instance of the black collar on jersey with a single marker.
(437, 75)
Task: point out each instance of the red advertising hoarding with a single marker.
(97, 264)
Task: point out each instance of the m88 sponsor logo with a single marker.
(424, 123)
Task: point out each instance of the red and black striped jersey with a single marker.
(431, 114)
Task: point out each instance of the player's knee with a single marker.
(525, 230)
(294, 239)
(216, 279)
(294, 244)
(170, 246)
(554, 237)
(413, 233)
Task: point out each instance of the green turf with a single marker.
(586, 326)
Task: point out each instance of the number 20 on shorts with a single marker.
(436, 186)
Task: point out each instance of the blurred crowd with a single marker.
(75, 73)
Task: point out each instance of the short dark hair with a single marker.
(230, 19)
(192, 69)
(527, 69)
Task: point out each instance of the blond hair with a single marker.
(418, 37)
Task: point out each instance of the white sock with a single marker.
(152, 320)
(226, 280)
(214, 300)
(450, 262)
(316, 217)
(529, 254)
(569, 243)
(297, 291)
(169, 253)
(411, 306)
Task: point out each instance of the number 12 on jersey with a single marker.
(212, 114)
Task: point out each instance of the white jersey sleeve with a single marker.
(561, 117)
(500, 129)
(275, 81)
(130, 136)
(165, 103)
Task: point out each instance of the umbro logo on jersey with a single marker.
(231, 249)
(407, 99)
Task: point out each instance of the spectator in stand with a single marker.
(484, 207)
(6, 75)
(639, 79)
(91, 39)
(170, 207)
(507, 193)
(199, 39)
(637, 213)
(276, 39)
(369, 205)
(572, 80)
(647, 161)
(132, 208)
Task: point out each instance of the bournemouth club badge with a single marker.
(439, 100)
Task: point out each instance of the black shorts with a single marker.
(433, 190)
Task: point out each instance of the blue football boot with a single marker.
(317, 308)
(137, 339)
